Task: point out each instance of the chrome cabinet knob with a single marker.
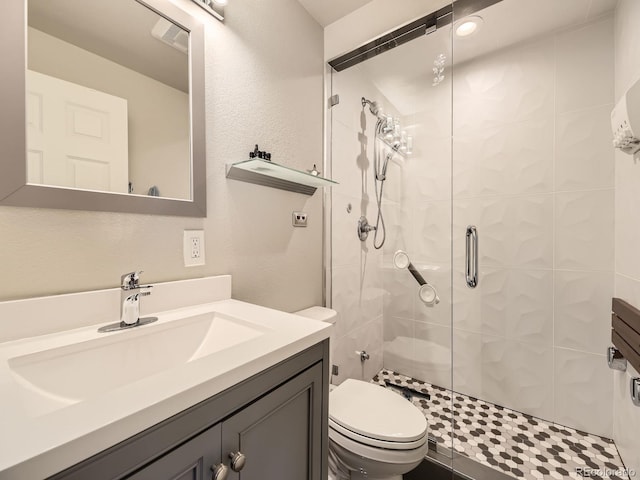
(237, 461)
(220, 472)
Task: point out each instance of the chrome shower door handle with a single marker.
(472, 257)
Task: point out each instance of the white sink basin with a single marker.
(68, 392)
(77, 371)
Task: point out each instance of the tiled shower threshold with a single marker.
(508, 441)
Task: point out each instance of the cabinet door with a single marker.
(191, 461)
(280, 434)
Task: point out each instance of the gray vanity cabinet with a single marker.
(277, 420)
(276, 433)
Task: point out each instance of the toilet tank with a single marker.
(322, 314)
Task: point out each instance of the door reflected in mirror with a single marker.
(107, 105)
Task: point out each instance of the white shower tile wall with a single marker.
(533, 170)
(626, 417)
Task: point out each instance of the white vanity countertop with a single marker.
(37, 442)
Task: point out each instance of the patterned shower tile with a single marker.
(514, 443)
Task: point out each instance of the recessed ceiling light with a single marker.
(468, 26)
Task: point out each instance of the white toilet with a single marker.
(374, 433)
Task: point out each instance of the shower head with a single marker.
(373, 107)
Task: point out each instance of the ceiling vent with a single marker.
(172, 35)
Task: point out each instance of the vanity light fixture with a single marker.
(467, 26)
(213, 7)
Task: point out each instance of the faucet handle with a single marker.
(130, 281)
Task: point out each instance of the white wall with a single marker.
(158, 115)
(256, 93)
(626, 417)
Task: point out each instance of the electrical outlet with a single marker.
(193, 248)
(299, 219)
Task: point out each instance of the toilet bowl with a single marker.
(374, 433)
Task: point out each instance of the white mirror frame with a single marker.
(14, 189)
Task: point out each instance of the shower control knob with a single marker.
(363, 355)
(220, 472)
(364, 228)
(237, 461)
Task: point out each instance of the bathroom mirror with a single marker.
(103, 106)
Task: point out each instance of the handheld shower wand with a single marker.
(388, 132)
(381, 174)
(384, 125)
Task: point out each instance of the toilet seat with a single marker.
(361, 411)
(374, 442)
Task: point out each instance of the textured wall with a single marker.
(626, 417)
(255, 93)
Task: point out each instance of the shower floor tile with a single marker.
(515, 443)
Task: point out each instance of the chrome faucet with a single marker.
(130, 293)
(130, 298)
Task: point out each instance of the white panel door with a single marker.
(76, 137)
(35, 136)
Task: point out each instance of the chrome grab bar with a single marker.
(472, 257)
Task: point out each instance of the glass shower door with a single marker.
(391, 154)
(533, 177)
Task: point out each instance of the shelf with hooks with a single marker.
(269, 174)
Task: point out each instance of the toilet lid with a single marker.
(375, 412)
